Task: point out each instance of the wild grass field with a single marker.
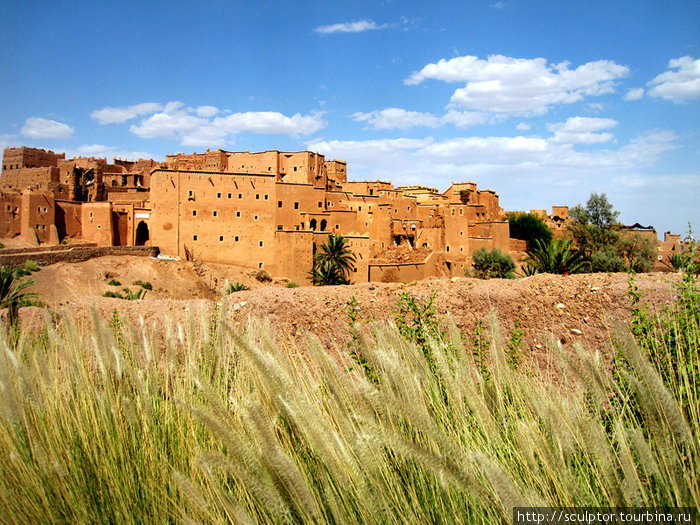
(416, 423)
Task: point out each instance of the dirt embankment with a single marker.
(568, 308)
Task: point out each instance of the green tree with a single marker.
(594, 226)
(529, 227)
(558, 257)
(490, 264)
(333, 262)
(13, 293)
(639, 252)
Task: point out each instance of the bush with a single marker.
(262, 276)
(607, 259)
(529, 227)
(144, 284)
(292, 285)
(492, 264)
(32, 266)
(115, 295)
(234, 287)
(558, 257)
(114, 282)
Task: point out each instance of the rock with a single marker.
(576, 331)
(561, 305)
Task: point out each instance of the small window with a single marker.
(259, 265)
(267, 196)
(38, 209)
(279, 204)
(235, 238)
(238, 214)
(279, 227)
(296, 205)
(214, 213)
(240, 195)
(337, 226)
(190, 193)
(194, 237)
(194, 213)
(447, 248)
(359, 208)
(218, 195)
(221, 238)
(255, 217)
(260, 244)
(460, 211)
(295, 168)
(320, 205)
(229, 195)
(257, 196)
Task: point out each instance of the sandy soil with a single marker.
(567, 308)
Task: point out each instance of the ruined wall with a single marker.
(23, 157)
(69, 219)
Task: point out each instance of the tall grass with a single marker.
(207, 424)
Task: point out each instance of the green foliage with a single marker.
(559, 256)
(674, 261)
(112, 294)
(515, 339)
(607, 259)
(353, 313)
(529, 227)
(144, 284)
(1, 246)
(492, 264)
(639, 252)
(134, 296)
(114, 282)
(262, 276)
(13, 293)
(292, 285)
(333, 262)
(598, 212)
(480, 347)
(234, 287)
(32, 266)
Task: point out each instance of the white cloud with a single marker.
(466, 119)
(520, 86)
(110, 115)
(680, 85)
(582, 130)
(192, 128)
(350, 27)
(206, 111)
(9, 141)
(395, 118)
(634, 94)
(41, 128)
(523, 126)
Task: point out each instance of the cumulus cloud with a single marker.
(110, 115)
(350, 27)
(195, 127)
(523, 126)
(395, 118)
(582, 130)
(634, 94)
(680, 85)
(520, 86)
(41, 128)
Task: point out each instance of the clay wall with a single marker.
(297, 247)
(38, 214)
(73, 254)
(11, 223)
(337, 171)
(23, 157)
(264, 162)
(44, 178)
(69, 219)
(96, 221)
(295, 205)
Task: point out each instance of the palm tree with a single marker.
(558, 256)
(333, 262)
(12, 292)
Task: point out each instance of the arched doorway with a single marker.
(323, 225)
(142, 235)
(313, 224)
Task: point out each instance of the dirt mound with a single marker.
(567, 308)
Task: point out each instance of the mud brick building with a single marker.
(265, 210)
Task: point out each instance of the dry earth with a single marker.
(568, 308)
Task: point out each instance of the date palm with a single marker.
(13, 293)
(333, 262)
(558, 256)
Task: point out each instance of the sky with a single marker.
(544, 102)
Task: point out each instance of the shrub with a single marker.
(114, 282)
(115, 295)
(607, 259)
(559, 256)
(144, 284)
(13, 294)
(262, 276)
(292, 285)
(234, 287)
(489, 264)
(529, 227)
(32, 266)
(134, 296)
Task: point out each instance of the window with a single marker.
(235, 238)
(296, 205)
(238, 214)
(320, 205)
(214, 213)
(337, 226)
(359, 208)
(279, 227)
(221, 238)
(279, 204)
(260, 244)
(266, 196)
(38, 209)
(194, 213)
(229, 195)
(460, 211)
(295, 168)
(447, 248)
(218, 195)
(257, 196)
(259, 265)
(190, 193)
(240, 195)
(194, 237)
(255, 217)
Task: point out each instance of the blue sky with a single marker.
(542, 101)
